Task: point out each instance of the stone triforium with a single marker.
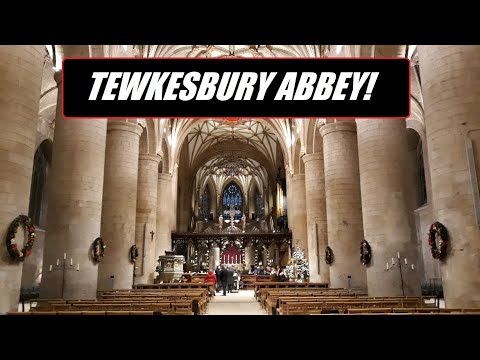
(163, 240)
(344, 204)
(297, 217)
(316, 216)
(382, 153)
(20, 79)
(119, 204)
(75, 188)
(451, 85)
(146, 217)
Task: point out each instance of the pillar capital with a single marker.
(149, 157)
(57, 76)
(119, 125)
(318, 156)
(338, 126)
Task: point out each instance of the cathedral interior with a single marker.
(241, 192)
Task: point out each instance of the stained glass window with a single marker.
(232, 195)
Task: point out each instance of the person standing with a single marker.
(224, 279)
(218, 269)
(230, 279)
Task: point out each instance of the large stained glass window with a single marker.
(232, 195)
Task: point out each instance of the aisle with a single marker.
(241, 303)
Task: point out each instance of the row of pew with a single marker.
(130, 302)
(308, 301)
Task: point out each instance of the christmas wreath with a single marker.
(328, 255)
(133, 253)
(365, 252)
(438, 230)
(98, 249)
(12, 246)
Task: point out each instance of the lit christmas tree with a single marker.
(297, 268)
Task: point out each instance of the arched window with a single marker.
(422, 186)
(39, 179)
(205, 204)
(232, 195)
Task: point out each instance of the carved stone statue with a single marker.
(220, 221)
(243, 222)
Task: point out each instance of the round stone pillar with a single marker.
(146, 224)
(174, 196)
(298, 215)
(387, 220)
(20, 79)
(450, 87)
(163, 237)
(119, 204)
(344, 204)
(75, 190)
(316, 217)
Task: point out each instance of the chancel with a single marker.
(286, 215)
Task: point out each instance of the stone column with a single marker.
(119, 204)
(20, 79)
(174, 196)
(316, 216)
(75, 189)
(146, 217)
(344, 204)
(450, 86)
(298, 215)
(214, 257)
(382, 152)
(288, 186)
(163, 239)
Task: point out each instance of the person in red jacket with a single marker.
(211, 278)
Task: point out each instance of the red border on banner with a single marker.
(250, 117)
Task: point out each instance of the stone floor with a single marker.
(240, 303)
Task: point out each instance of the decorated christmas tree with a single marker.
(297, 268)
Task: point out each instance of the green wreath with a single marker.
(365, 252)
(328, 255)
(438, 230)
(98, 249)
(12, 247)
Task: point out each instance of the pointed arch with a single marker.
(299, 167)
(38, 190)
